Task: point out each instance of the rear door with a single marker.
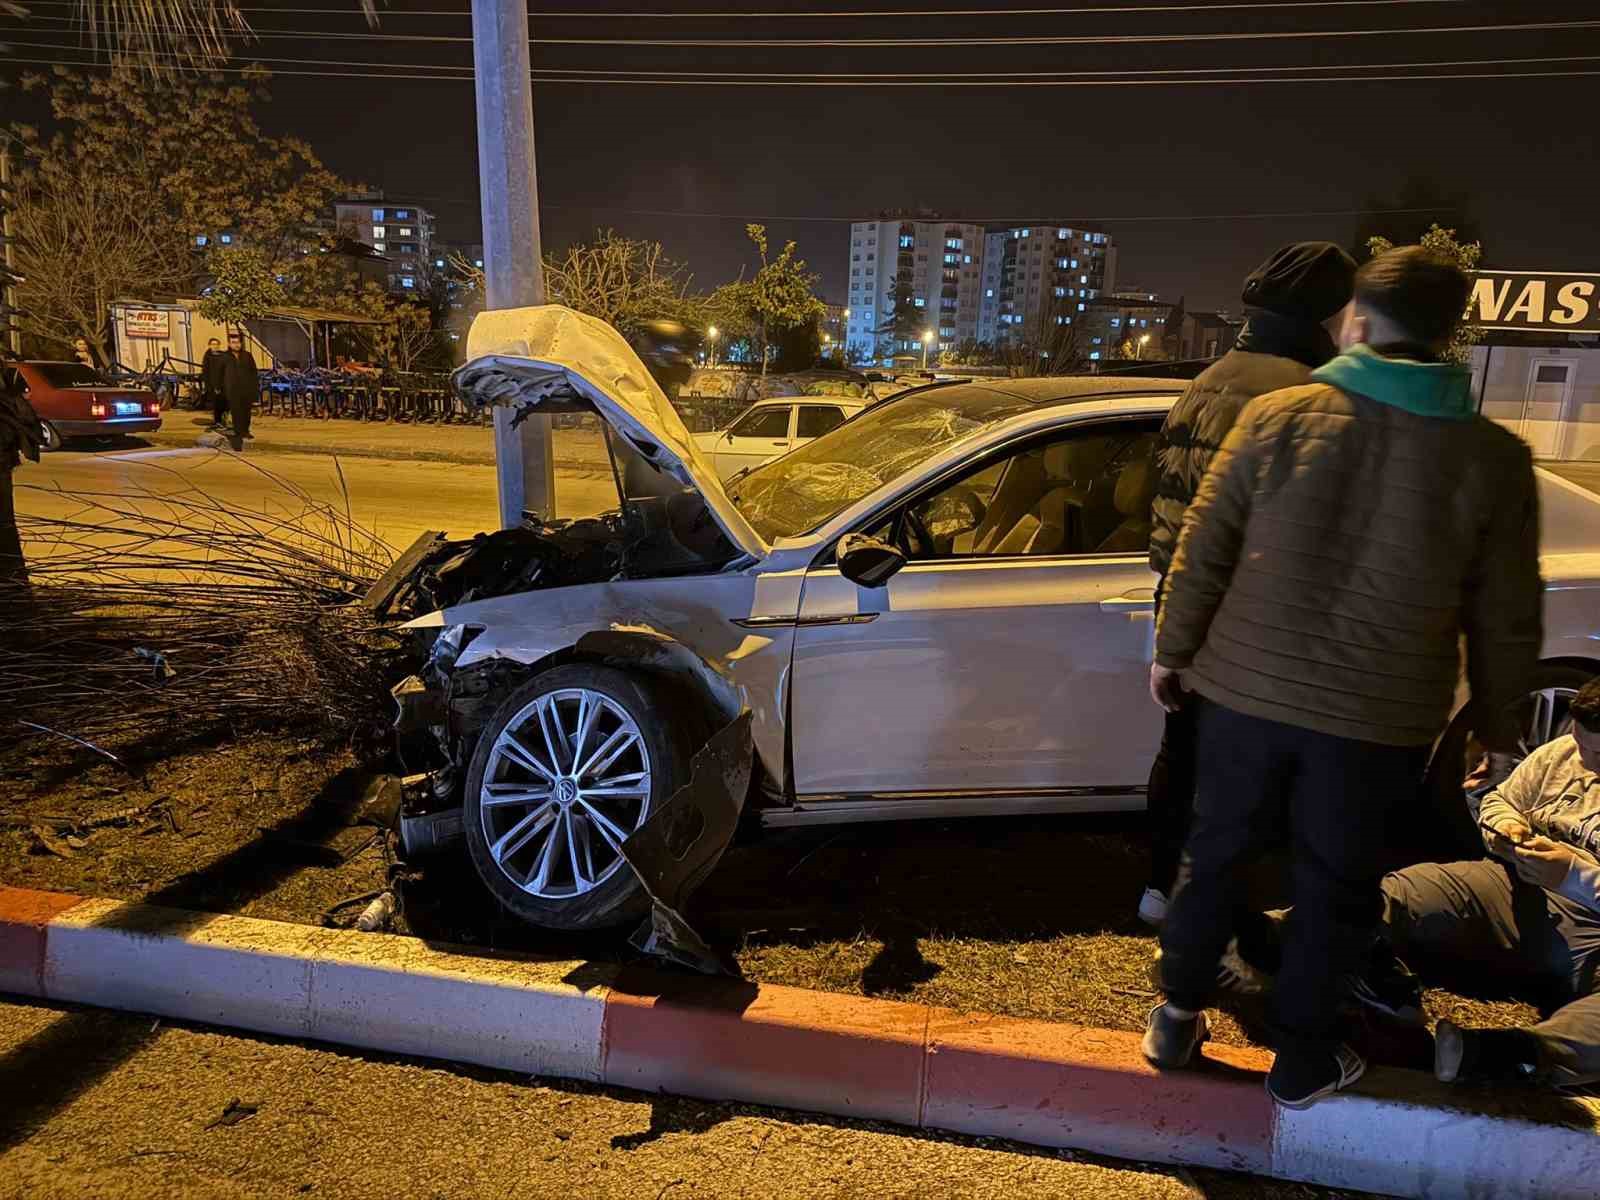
(814, 420)
(1010, 656)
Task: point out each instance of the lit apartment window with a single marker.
(1063, 233)
(377, 245)
(477, 262)
(1074, 264)
(377, 214)
(201, 239)
(1094, 354)
(951, 260)
(402, 215)
(1115, 321)
(920, 302)
(952, 243)
(1026, 232)
(438, 262)
(379, 231)
(1080, 305)
(1060, 291)
(1083, 279)
(226, 239)
(989, 293)
(966, 258)
(907, 241)
(1061, 264)
(408, 281)
(405, 232)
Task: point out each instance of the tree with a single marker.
(1466, 255)
(623, 281)
(906, 322)
(243, 286)
(131, 144)
(780, 297)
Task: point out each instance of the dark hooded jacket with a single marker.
(1272, 352)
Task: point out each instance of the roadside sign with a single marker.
(148, 322)
(1558, 301)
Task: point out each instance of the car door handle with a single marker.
(1140, 600)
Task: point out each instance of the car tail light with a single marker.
(153, 407)
(97, 408)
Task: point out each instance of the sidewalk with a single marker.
(573, 449)
(1050, 1084)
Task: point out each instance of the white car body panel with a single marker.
(732, 454)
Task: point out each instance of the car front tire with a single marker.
(49, 438)
(570, 764)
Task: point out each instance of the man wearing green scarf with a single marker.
(1345, 540)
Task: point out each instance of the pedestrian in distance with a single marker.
(1347, 537)
(84, 353)
(1293, 304)
(242, 385)
(213, 367)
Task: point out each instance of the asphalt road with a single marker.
(398, 500)
(110, 1105)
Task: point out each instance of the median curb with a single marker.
(265, 443)
(850, 1056)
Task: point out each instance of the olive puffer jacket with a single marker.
(1194, 431)
(1347, 536)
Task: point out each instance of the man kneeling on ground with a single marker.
(1532, 911)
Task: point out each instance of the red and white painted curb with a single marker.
(1035, 1081)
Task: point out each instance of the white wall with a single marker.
(1560, 421)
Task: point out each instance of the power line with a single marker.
(836, 13)
(928, 77)
(1171, 218)
(880, 43)
(644, 79)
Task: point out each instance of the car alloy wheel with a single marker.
(567, 780)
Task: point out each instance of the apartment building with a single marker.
(1128, 321)
(402, 233)
(938, 262)
(1033, 274)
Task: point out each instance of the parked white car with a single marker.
(941, 608)
(769, 428)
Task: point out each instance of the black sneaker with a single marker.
(1171, 1043)
(1300, 1080)
(1386, 985)
(1483, 1055)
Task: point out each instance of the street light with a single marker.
(927, 336)
(711, 336)
(844, 337)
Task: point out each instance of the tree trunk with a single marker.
(13, 568)
(766, 351)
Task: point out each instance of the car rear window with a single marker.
(65, 375)
(817, 419)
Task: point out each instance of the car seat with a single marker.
(1134, 494)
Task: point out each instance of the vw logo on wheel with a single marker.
(566, 791)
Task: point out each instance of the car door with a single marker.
(814, 420)
(764, 432)
(1010, 656)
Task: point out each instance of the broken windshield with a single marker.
(802, 490)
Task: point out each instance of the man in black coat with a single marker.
(241, 384)
(1291, 303)
(212, 368)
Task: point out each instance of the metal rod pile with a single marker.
(153, 612)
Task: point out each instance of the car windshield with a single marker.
(803, 489)
(66, 375)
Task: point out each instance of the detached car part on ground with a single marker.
(941, 608)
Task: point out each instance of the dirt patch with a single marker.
(260, 826)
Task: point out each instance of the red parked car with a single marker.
(75, 401)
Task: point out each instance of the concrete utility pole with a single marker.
(8, 287)
(513, 265)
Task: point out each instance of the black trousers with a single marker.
(1334, 796)
(219, 407)
(240, 407)
(1170, 797)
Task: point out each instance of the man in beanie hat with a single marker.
(1293, 303)
(1350, 536)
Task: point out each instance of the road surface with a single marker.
(398, 500)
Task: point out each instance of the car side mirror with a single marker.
(868, 561)
(728, 436)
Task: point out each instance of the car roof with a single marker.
(1065, 389)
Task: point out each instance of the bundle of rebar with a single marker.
(151, 613)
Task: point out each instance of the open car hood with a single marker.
(551, 359)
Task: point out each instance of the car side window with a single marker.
(771, 422)
(818, 419)
(1088, 492)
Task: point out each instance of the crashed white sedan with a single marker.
(940, 608)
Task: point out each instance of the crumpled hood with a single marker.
(540, 358)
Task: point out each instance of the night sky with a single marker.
(623, 155)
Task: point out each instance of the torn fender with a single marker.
(674, 851)
(661, 653)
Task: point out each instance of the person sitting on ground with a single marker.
(1532, 911)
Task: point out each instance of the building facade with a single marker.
(1038, 275)
(1128, 323)
(402, 233)
(936, 263)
